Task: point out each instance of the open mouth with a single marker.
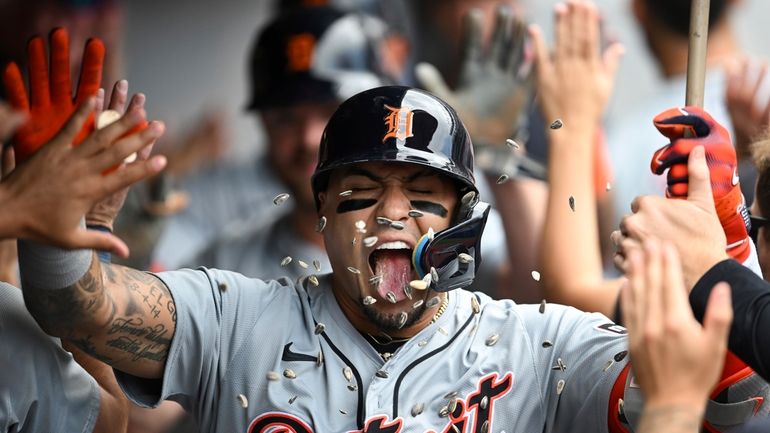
(393, 261)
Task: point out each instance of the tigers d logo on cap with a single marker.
(299, 52)
(399, 123)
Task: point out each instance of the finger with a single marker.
(122, 148)
(653, 284)
(39, 88)
(103, 138)
(91, 69)
(99, 107)
(675, 299)
(611, 58)
(119, 96)
(561, 43)
(472, 47)
(9, 161)
(518, 51)
(137, 102)
(14, 87)
(628, 307)
(719, 314)
(542, 54)
(133, 173)
(145, 152)
(61, 83)
(67, 134)
(637, 285)
(591, 26)
(754, 90)
(500, 35)
(699, 188)
(97, 240)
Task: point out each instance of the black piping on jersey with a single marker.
(359, 382)
(424, 358)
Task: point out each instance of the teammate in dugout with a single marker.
(389, 341)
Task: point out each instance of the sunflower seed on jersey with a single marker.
(375, 280)
(353, 242)
(484, 403)
(319, 360)
(485, 427)
(422, 343)
(542, 306)
(620, 356)
(348, 373)
(547, 343)
(302, 264)
(419, 284)
(621, 407)
(452, 405)
(382, 374)
(443, 330)
(608, 365)
(317, 265)
(465, 258)
(321, 225)
(313, 280)
(243, 400)
(559, 387)
(414, 213)
(353, 270)
(535, 275)
(432, 302)
(391, 297)
(346, 193)
(408, 291)
(292, 399)
(502, 179)
(286, 260)
(402, 318)
(370, 241)
(289, 374)
(475, 305)
(455, 429)
(273, 376)
(383, 221)
(433, 274)
(343, 411)
(492, 340)
(222, 287)
(511, 143)
(417, 409)
(397, 225)
(572, 203)
(369, 300)
(361, 226)
(319, 328)
(556, 124)
(559, 365)
(352, 387)
(443, 412)
(386, 356)
(280, 199)
(417, 304)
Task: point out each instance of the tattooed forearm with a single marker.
(671, 419)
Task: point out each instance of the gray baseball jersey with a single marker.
(245, 358)
(42, 389)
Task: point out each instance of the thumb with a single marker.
(699, 179)
(99, 241)
(430, 78)
(719, 315)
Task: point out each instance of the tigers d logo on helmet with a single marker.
(398, 122)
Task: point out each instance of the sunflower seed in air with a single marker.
(370, 241)
(402, 318)
(434, 274)
(431, 233)
(428, 278)
(391, 297)
(502, 179)
(222, 287)
(572, 203)
(317, 265)
(360, 226)
(475, 305)
(243, 400)
(469, 199)
(280, 199)
(383, 221)
(608, 365)
(621, 407)
(414, 213)
(352, 387)
(302, 264)
(418, 284)
(273, 376)
(484, 403)
(485, 427)
(386, 356)
(343, 411)
(608, 187)
(465, 258)
(286, 260)
(319, 328)
(620, 356)
(293, 399)
(512, 143)
(535, 275)
(408, 291)
(375, 280)
(417, 409)
(443, 412)
(289, 374)
(422, 343)
(321, 224)
(348, 373)
(542, 306)
(560, 387)
(397, 225)
(319, 360)
(353, 242)
(417, 304)
(547, 344)
(382, 374)
(432, 302)
(492, 340)
(556, 124)
(559, 365)
(353, 270)
(313, 280)
(369, 300)
(346, 193)
(443, 330)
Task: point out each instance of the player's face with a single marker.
(360, 248)
(295, 134)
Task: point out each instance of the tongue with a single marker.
(395, 268)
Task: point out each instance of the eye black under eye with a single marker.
(430, 207)
(355, 204)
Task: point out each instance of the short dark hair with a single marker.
(675, 14)
(761, 154)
